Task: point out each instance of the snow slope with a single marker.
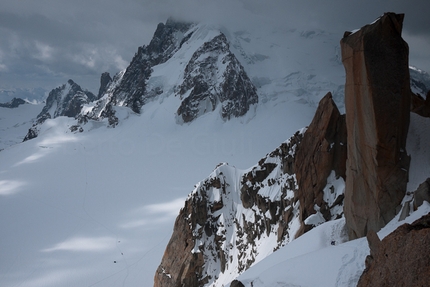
(14, 123)
(312, 260)
(322, 257)
(73, 204)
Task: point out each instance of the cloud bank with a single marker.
(45, 43)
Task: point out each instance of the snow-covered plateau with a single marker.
(96, 207)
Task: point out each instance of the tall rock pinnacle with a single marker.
(377, 101)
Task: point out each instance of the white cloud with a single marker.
(8, 187)
(154, 213)
(84, 244)
(167, 208)
(44, 51)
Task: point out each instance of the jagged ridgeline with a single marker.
(354, 166)
(184, 60)
(235, 218)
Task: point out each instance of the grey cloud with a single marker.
(80, 39)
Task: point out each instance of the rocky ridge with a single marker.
(14, 103)
(212, 76)
(66, 100)
(209, 77)
(400, 258)
(233, 217)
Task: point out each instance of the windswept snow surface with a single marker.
(14, 123)
(97, 208)
(319, 258)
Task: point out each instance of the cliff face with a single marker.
(377, 101)
(401, 258)
(321, 152)
(235, 218)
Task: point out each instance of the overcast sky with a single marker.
(45, 42)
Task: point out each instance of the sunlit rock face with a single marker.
(377, 101)
(401, 258)
(321, 152)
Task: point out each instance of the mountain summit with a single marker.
(189, 61)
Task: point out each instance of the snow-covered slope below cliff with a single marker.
(74, 204)
(319, 258)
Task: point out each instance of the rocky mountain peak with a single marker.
(212, 76)
(105, 81)
(167, 39)
(66, 100)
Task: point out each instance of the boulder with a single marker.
(377, 103)
(401, 258)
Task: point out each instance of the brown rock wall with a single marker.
(322, 150)
(377, 102)
(401, 258)
(180, 266)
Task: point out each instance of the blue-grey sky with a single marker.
(45, 42)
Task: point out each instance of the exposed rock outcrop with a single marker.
(208, 83)
(229, 218)
(377, 101)
(233, 215)
(105, 81)
(420, 106)
(401, 258)
(14, 103)
(66, 100)
(212, 76)
(322, 150)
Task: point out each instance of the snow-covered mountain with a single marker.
(36, 95)
(66, 100)
(96, 208)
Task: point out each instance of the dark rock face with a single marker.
(208, 83)
(401, 258)
(236, 283)
(420, 106)
(322, 150)
(105, 81)
(213, 76)
(14, 103)
(130, 87)
(377, 101)
(66, 100)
